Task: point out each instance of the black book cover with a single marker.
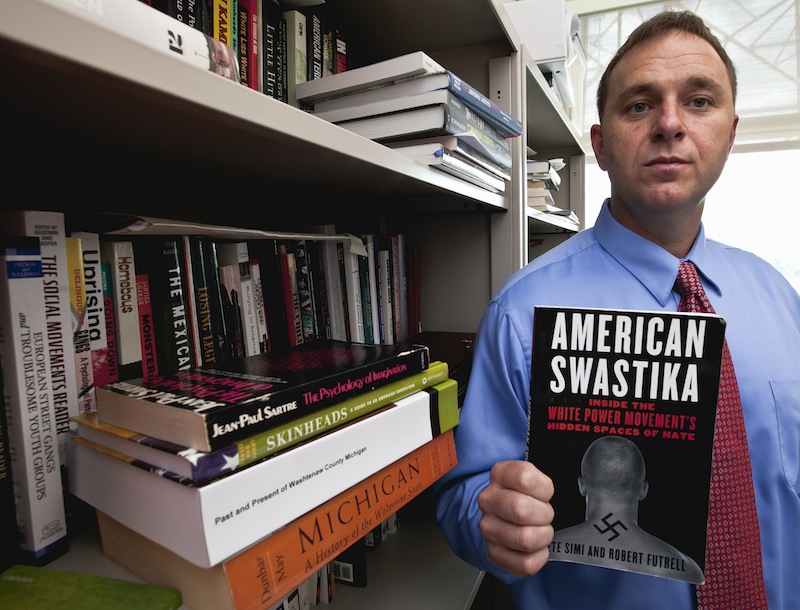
(207, 407)
(622, 414)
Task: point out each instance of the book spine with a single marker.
(291, 295)
(50, 229)
(296, 53)
(272, 13)
(234, 325)
(32, 433)
(147, 327)
(9, 545)
(314, 44)
(87, 400)
(207, 466)
(246, 44)
(385, 285)
(266, 250)
(237, 254)
(330, 261)
(505, 123)
(208, 303)
(288, 556)
(93, 280)
(352, 284)
(375, 301)
(222, 19)
(462, 119)
(104, 360)
(154, 29)
(366, 299)
(120, 256)
(319, 289)
(274, 491)
(259, 306)
(191, 303)
(305, 291)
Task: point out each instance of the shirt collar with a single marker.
(653, 266)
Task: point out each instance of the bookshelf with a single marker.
(96, 122)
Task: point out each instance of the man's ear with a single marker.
(643, 490)
(582, 486)
(596, 134)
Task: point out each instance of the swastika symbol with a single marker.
(610, 527)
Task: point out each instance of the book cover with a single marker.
(372, 278)
(622, 413)
(200, 466)
(270, 569)
(319, 288)
(305, 290)
(267, 252)
(81, 341)
(314, 50)
(330, 262)
(30, 416)
(259, 306)
(93, 280)
(396, 68)
(104, 360)
(120, 257)
(248, 42)
(159, 31)
(50, 229)
(147, 327)
(210, 407)
(352, 285)
(500, 119)
(40, 588)
(207, 524)
(386, 288)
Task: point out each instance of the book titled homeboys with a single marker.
(210, 407)
(622, 411)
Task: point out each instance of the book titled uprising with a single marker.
(209, 407)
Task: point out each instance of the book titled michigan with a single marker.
(622, 411)
(39, 588)
(210, 407)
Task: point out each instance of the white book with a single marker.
(436, 155)
(156, 30)
(374, 295)
(50, 228)
(210, 523)
(260, 308)
(119, 254)
(353, 288)
(333, 284)
(396, 68)
(395, 104)
(296, 53)
(238, 254)
(466, 147)
(27, 391)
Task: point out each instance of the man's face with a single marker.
(668, 126)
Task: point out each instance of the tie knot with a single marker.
(687, 284)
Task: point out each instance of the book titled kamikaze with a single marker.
(207, 524)
(208, 408)
(622, 406)
(263, 574)
(200, 466)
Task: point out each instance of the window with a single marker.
(754, 204)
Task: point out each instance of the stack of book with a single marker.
(414, 104)
(543, 180)
(239, 483)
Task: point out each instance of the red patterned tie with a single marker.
(734, 576)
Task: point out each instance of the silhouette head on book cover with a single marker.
(613, 482)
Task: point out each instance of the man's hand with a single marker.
(517, 517)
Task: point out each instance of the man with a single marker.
(667, 123)
(613, 482)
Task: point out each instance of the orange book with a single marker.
(271, 569)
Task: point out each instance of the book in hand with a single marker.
(210, 407)
(201, 467)
(206, 524)
(623, 405)
(264, 573)
(436, 155)
(373, 75)
(40, 588)
(156, 30)
(404, 92)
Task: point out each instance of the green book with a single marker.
(36, 588)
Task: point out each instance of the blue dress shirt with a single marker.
(610, 266)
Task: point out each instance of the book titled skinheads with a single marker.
(622, 412)
(210, 407)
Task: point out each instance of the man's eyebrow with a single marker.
(694, 83)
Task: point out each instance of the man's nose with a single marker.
(669, 122)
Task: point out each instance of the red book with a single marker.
(146, 326)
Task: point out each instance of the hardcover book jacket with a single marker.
(622, 412)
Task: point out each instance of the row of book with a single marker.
(423, 110)
(267, 428)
